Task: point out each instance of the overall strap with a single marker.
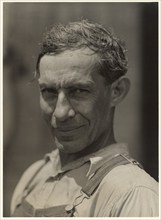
(25, 184)
(28, 188)
(118, 160)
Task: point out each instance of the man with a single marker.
(81, 71)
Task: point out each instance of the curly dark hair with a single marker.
(82, 34)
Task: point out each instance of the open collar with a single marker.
(96, 159)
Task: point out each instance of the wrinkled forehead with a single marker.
(66, 80)
(75, 58)
(69, 67)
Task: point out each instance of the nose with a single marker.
(63, 108)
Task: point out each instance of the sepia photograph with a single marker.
(80, 109)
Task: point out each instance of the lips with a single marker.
(69, 129)
(69, 133)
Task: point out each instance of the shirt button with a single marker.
(69, 208)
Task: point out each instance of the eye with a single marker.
(49, 93)
(78, 92)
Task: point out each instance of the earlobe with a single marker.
(119, 90)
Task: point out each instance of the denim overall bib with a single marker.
(25, 209)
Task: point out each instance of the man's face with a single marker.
(75, 100)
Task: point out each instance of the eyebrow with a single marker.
(79, 84)
(67, 84)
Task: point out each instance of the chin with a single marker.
(71, 146)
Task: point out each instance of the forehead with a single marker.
(68, 67)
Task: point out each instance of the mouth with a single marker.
(69, 129)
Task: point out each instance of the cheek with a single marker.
(101, 110)
(84, 108)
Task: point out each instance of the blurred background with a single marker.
(26, 136)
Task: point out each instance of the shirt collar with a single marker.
(96, 159)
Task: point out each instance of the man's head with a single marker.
(80, 68)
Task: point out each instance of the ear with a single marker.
(119, 90)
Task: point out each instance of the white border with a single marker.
(1, 103)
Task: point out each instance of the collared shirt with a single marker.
(127, 190)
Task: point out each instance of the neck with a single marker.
(102, 142)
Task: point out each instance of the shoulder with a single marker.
(38, 169)
(129, 176)
(23, 182)
(129, 191)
